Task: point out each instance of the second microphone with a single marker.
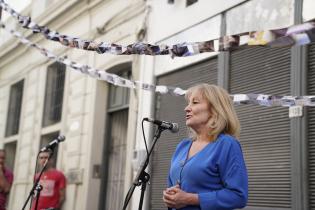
(173, 127)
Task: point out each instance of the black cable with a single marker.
(145, 141)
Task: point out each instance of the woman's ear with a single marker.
(213, 120)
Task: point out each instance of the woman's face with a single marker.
(197, 111)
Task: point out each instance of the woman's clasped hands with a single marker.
(174, 197)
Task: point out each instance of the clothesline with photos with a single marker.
(301, 34)
(258, 99)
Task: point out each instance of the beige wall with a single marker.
(85, 99)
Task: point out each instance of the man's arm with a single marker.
(5, 186)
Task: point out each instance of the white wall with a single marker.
(168, 19)
(259, 15)
(17, 5)
(172, 24)
(308, 10)
(206, 30)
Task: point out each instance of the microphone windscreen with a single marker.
(175, 128)
(61, 138)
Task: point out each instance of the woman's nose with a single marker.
(187, 108)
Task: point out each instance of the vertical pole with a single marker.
(299, 138)
(223, 60)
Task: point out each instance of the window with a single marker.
(114, 161)
(116, 155)
(10, 151)
(54, 94)
(119, 96)
(190, 2)
(14, 110)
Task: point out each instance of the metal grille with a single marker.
(116, 159)
(14, 109)
(311, 125)
(54, 94)
(265, 133)
(172, 108)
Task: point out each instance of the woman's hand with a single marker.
(174, 197)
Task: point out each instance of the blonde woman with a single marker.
(208, 169)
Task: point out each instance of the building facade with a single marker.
(40, 99)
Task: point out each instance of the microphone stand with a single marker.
(36, 186)
(142, 177)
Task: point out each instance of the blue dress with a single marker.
(217, 173)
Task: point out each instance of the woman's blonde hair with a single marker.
(224, 118)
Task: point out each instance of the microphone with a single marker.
(173, 127)
(53, 143)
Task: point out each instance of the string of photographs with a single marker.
(258, 99)
(285, 37)
(95, 73)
